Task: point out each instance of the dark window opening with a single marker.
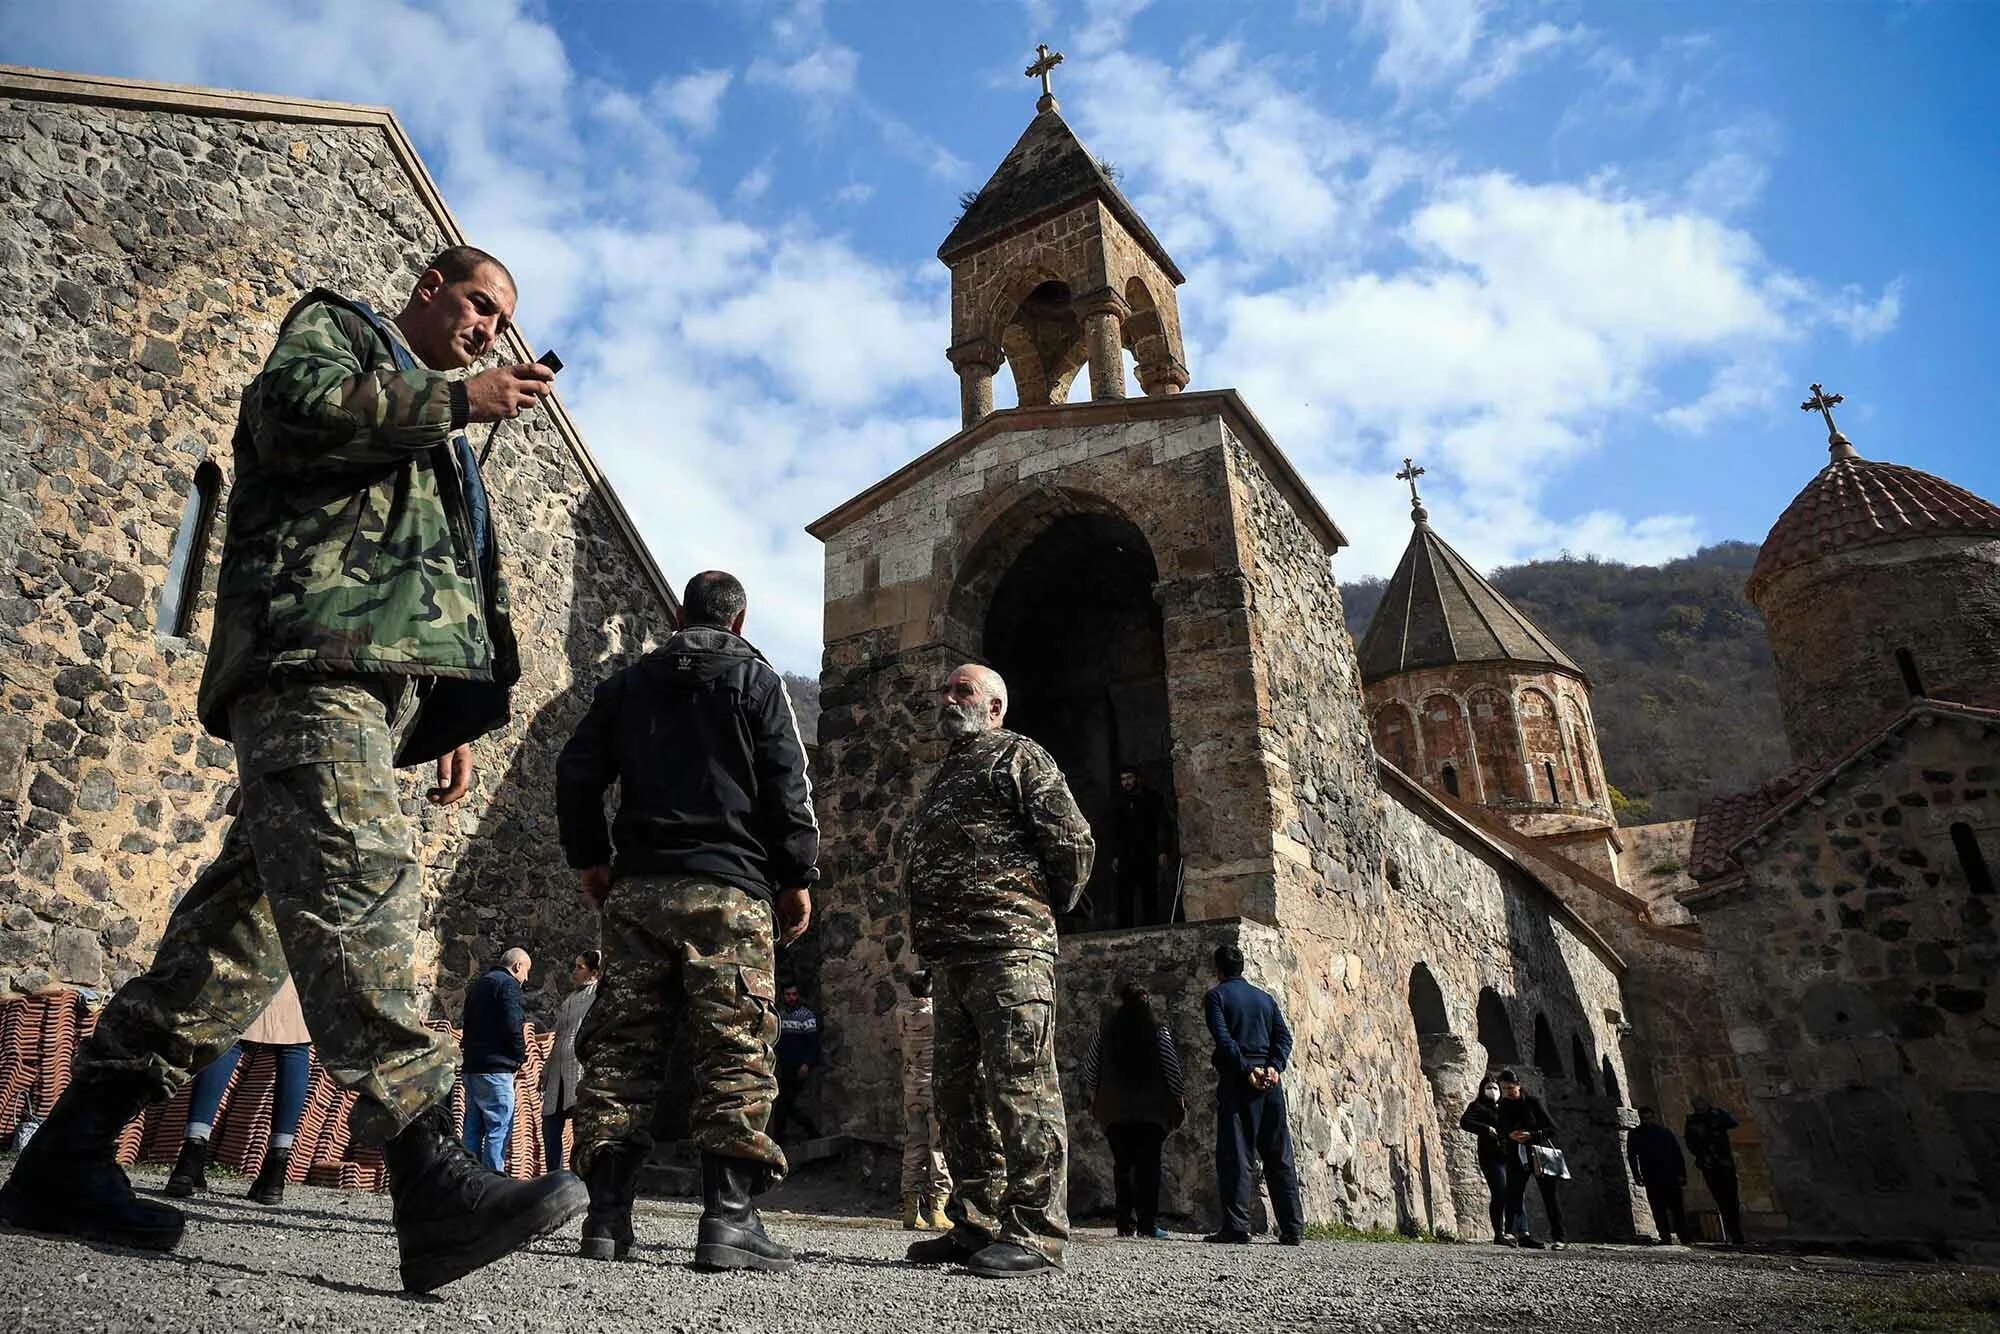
(1496, 1030)
(1971, 859)
(182, 589)
(1547, 1059)
(1427, 1003)
(1579, 1060)
(1610, 1082)
(1555, 793)
(1450, 777)
(1907, 664)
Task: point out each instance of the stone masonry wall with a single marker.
(145, 261)
(1857, 968)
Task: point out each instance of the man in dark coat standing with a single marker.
(495, 1042)
(1142, 842)
(1252, 1048)
(1707, 1132)
(1657, 1166)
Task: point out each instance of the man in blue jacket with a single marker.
(1252, 1048)
(495, 1043)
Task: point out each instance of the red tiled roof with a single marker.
(1855, 502)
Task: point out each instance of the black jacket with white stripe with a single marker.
(700, 737)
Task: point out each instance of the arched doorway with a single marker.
(1074, 628)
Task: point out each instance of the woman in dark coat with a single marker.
(1482, 1118)
(1526, 1124)
(1132, 1081)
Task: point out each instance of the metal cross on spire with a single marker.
(1045, 62)
(1822, 403)
(1410, 473)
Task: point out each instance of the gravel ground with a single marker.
(327, 1261)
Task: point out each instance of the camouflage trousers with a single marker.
(317, 875)
(924, 1170)
(682, 949)
(1000, 1102)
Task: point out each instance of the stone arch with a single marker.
(1541, 737)
(1498, 739)
(1583, 750)
(1496, 1028)
(1427, 1008)
(993, 538)
(1579, 1062)
(1146, 329)
(1039, 334)
(1444, 738)
(1396, 736)
(1548, 1059)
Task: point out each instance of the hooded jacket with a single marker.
(700, 737)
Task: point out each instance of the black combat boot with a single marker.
(944, 1250)
(731, 1235)
(614, 1184)
(68, 1180)
(454, 1216)
(1006, 1259)
(269, 1187)
(190, 1174)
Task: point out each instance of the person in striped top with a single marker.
(1132, 1081)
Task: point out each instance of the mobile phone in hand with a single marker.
(550, 359)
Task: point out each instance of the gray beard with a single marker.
(956, 723)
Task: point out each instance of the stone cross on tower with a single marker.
(1822, 403)
(1045, 63)
(1410, 473)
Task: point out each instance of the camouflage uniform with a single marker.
(924, 1172)
(995, 846)
(682, 952)
(360, 624)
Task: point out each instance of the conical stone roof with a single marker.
(1438, 611)
(1047, 171)
(1856, 502)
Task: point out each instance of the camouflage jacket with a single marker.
(351, 543)
(997, 846)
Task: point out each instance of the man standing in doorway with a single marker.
(995, 849)
(798, 1057)
(1658, 1168)
(1253, 1046)
(494, 1041)
(360, 625)
(715, 829)
(1707, 1132)
(1142, 842)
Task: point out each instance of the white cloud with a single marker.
(1862, 319)
(819, 75)
(1424, 42)
(694, 100)
(754, 184)
(1507, 57)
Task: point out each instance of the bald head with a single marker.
(974, 701)
(516, 961)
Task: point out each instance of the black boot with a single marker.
(190, 1174)
(614, 1184)
(453, 1216)
(68, 1180)
(731, 1235)
(269, 1187)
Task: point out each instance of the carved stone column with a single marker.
(1103, 313)
(976, 360)
(1162, 377)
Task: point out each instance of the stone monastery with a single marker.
(1411, 841)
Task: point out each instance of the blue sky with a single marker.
(1583, 260)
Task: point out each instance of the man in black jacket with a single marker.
(1658, 1167)
(494, 1044)
(715, 824)
(1525, 1124)
(1253, 1045)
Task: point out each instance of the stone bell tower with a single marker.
(1052, 268)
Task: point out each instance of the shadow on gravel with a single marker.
(193, 1263)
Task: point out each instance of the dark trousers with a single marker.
(1252, 1126)
(1518, 1173)
(786, 1109)
(1138, 891)
(1669, 1210)
(1552, 1205)
(1722, 1185)
(1495, 1172)
(1135, 1173)
(552, 1137)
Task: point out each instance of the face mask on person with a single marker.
(1490, 1094)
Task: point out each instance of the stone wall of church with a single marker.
(146, 258)
(1370, 886)
(1857, 964)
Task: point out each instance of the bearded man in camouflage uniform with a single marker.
(715, 830)
(996, 849)
(360, 625)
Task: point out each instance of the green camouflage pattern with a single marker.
(999, 1100)
(925, 1173)
(349, 544)
(995, 849)
(318, 874)
(682, 950)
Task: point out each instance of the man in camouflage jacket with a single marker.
(361, 624)
(996, 848)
